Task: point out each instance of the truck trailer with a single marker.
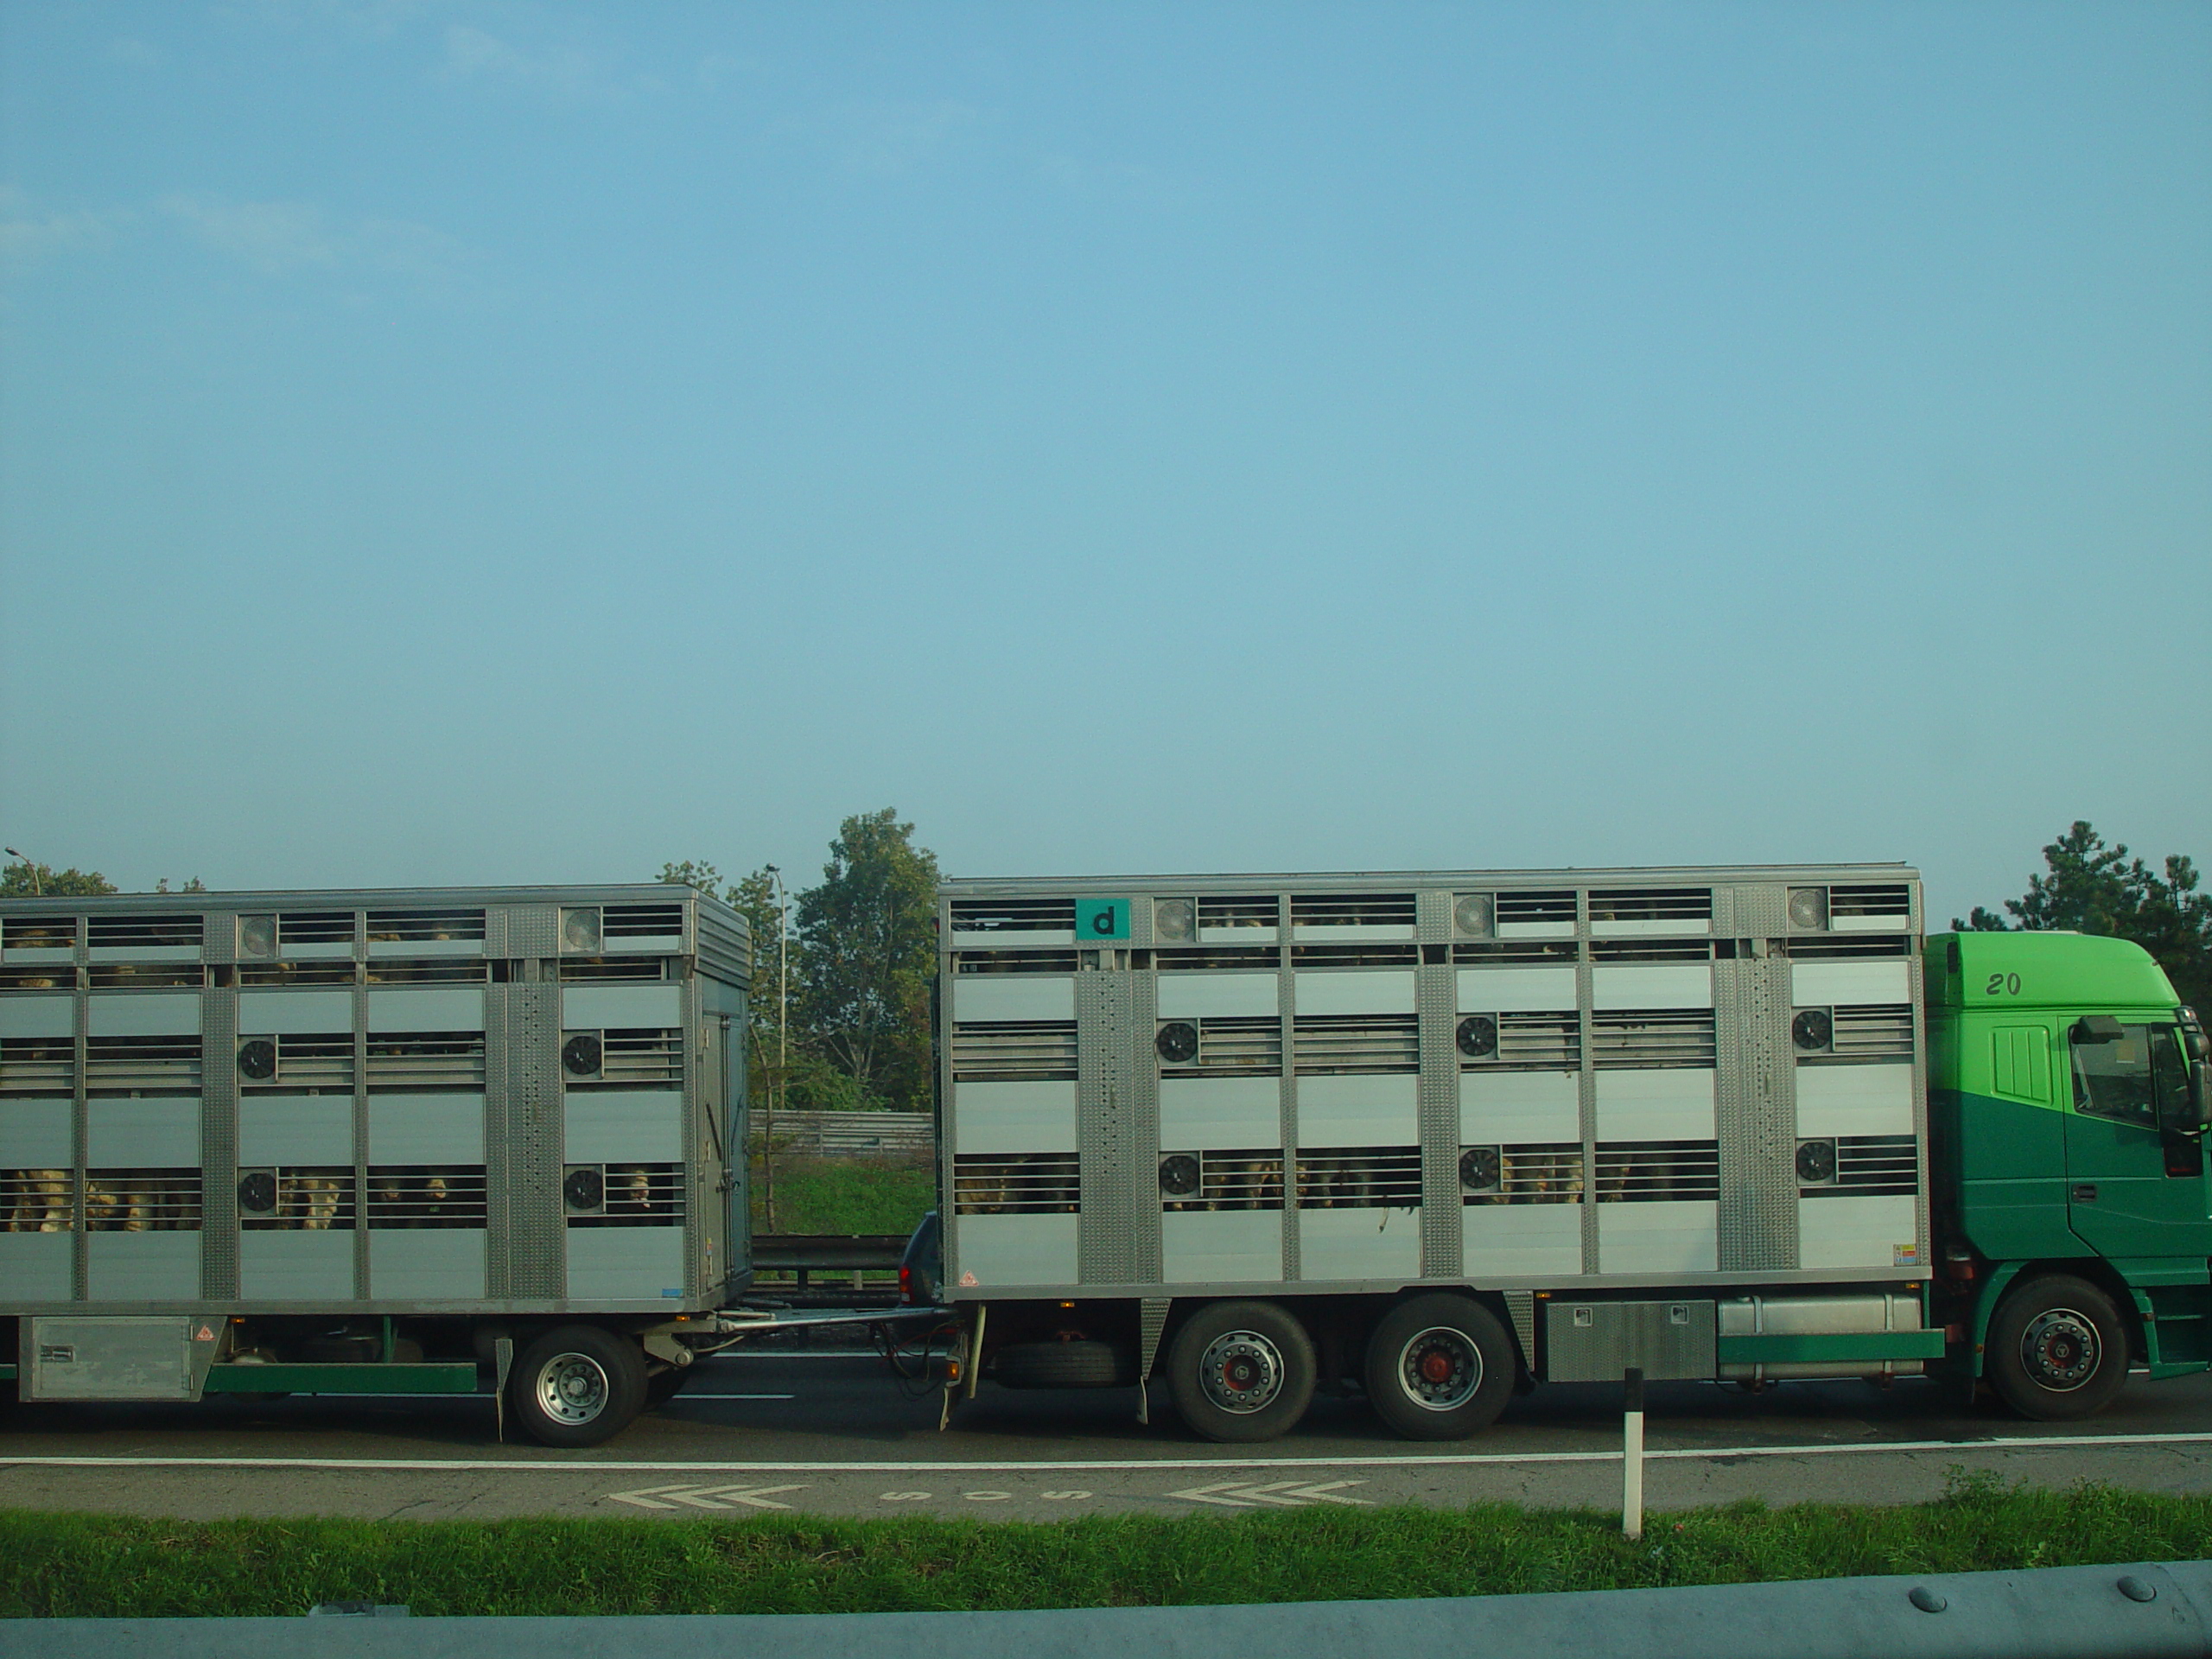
(1439, 1137)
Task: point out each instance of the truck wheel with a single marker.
(577, 1386)
(1064, 1365)
(1242, 1371)
(1440, 1367)
(2058, 1349)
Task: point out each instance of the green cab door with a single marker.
(2134, 1186)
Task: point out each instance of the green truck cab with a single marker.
(2073, 1220)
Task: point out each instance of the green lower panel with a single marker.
(342, 1379)
(1829, 1347)
(7, 1373)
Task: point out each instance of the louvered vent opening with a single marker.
(1537, 1042)
(147, 975)
(438, 971)
(142, 1201)
(1217, 956)
(1026, 1184)
(316, 927)
(1552, 907)
(142, 1065)
(295, 973)
(38, 932)
(1871, 898)
(1872, 1032)
(1874, 1166)
(1650, 949)
(1326, 1043)
(48, 976)
(633, 1195)
(1651, 904)
(1015, 962)
(298, 1199)
(431, 1060)
(1499, 953)
(422, 1195)
(593, 968)
(143, 932)
(1014, 916)
(1355, 955)
(32, 1066)
(1242, 912)
(1521, 1174)
(1352, 910)
(1652, 1171)
(1230, 1046)
(1247, 1179)
(321, 1063)
(642, 921)
(1832, 947)
(1655, 1037)
(38, 1201)
(1015, 1051)
(424, 926)
(1359, 1178)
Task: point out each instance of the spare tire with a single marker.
(1080, 1364)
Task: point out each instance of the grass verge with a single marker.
(847, 1195)
(54, 1564)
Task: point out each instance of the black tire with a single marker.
(2058, 1349)
(1242, 1371)
(1064, 1365)
(1440, 1367)
(663, 1386)
(576, 1386)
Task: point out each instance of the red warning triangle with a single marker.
(203, 1334)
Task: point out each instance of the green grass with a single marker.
(845, 1195)
(75, 1565)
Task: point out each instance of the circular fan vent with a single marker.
(584, 1189)
(1471, 913)
(1178, 1175)
(1808, 906)
(581, 1055)
(1812, 1029)
(258, 1059)
(256, 936)
(580, 929)
(1478, 1036)
(1478, 1169)
(1815, 1162)
(1175, 919)
(258, 1193)
(1177, 1042)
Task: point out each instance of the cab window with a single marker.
(2133, 1077)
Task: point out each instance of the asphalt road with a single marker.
(834, 1433)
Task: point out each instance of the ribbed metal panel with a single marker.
(1104, 1107)
(218, 1143)
(1286, 994)
(1754, 1103)
(1436, 1000)
(536, 1230)
(1144, 1123)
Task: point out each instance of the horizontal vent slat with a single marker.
(1022, 1184)
(1656, 1037)
(1630, 1172)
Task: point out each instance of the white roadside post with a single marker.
(1632, 1453)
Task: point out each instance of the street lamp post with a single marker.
(783, 1049)
(28, 866)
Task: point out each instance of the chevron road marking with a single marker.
(703, 1497)
(1290, 1494)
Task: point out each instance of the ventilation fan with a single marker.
(1177, 1042)
(258, 1193)
(1471, 913)
(1173, 920)
(1808, 908)
(256, 936)
(584, 1188)
(1178, 1175)
(580, 932)
(1478, 1036)
(1478, 1169)
(1812, 1030)
(258, 1059)
(1815, 1162)
(581, 1055)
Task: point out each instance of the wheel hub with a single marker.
(2060, 1349)
(572, 1388)
(1242, 1371)
(1440, 1368)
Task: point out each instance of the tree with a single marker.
(2093, 888)
(867, 956)
(24, 880)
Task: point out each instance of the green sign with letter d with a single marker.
(1102, 918)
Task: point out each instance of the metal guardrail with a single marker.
(849, 1135)
(859, 1260)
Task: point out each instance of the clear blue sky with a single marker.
(492, 442)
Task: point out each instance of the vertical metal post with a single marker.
(1632, 1453)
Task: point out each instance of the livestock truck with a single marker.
(423, 1141)
(1441, 1136)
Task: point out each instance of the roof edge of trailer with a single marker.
(1570, 875)
(371, 897)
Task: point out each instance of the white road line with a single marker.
(577, 1466)
(693, 1394)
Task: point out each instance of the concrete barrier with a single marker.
(2130, 1612)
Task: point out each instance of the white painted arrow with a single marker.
(702, 1497)
(644, 1497)
(1290, 1494)
(755, 1496)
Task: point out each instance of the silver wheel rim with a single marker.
(1242, 1372)
(1440, 1369)
(572, 1388)
(2060, 1349)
